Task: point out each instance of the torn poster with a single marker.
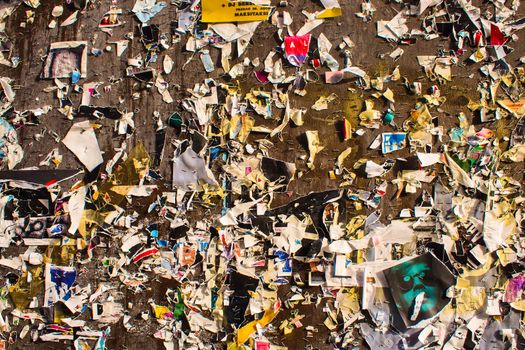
(58, 283)
(221, 11)
(190, 171)
(110, 19)
(82, 141)
(296, 48)
(10, 149)
(145, 10)
(64, 58)
(393, 141)
(418, 288)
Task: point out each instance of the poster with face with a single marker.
(188, 255)
(418, 288)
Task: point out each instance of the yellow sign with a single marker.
(221, 11)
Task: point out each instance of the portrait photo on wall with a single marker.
(418, 289)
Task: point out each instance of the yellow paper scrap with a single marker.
(161, 311)
(25, 289)
(223, 11)
(329, 13)
(246, 331)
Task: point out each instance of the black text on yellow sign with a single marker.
(221, 11)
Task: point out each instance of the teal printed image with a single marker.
(418, 287)
(417, 279)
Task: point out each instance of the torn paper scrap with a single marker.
(314, 146)
(82, 141)
(190, 172)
